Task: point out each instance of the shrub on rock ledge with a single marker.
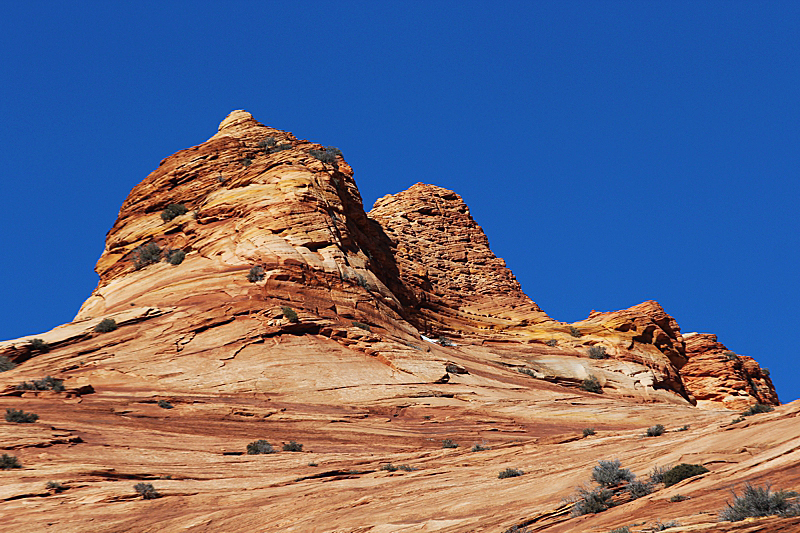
(173, 211)
(761, 501)
(106, 325)
(610, 473)
(20, 417)
(5, 363)
(7, 462)
(681, 472)
(290, 314)
(293, 446)
(260, 446)
(592, 384)
(146, 491)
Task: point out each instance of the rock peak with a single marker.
(236, 118)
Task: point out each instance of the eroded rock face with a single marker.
(717, 376)
(443, 257)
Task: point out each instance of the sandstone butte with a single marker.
(354, 377)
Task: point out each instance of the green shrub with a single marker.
(758, 409)
(389, 467)
(552, 342)
(20, 417)
(509, 472)
(281, 148)
(575, 332)
(172, 211)
(678, 498)
(174, 257)
(146, 254)
(54, 486)
(7, 462)
(655, 431)
(361, 325)
(609, 473)
(290, 314)
(164, 404)
(326, 155)
(293, 446)
(246, 162)
(637, 488)
(683, 428)
(266, 143)
(681, 472)
(731, 356)
(623, 529)
(260, 447)
(527, 371)
(46, 383)
(449, 443)
(40, 346)
(106, 325)
(406, 468)
(765, 371)
(588, 431)
(760, 501)
(256, 273)
(597, 352)
(661, 527)
(147, 491)
(591, 501)
(591, 384)
(5, 363)
(657, 474)
(479, 448)
(737, 420)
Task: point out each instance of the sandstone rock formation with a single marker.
(296, 316)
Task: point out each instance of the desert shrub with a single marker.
(146, 491)
(757, 409)
(106, 325)
(20, 417)
(453, 368)
(591, 501)
(588, 431)
(281, 148)
(389, 467)
(46, 383)
(509, 472)
(54, 486)
(449, 443)
(406, 468)
(655, 431)
(681, 472)
(292, 446)
(623, 529)
(256, 273)
(527, 371)
(760, 501)
(5, 363)
(552, 342)
(327, 154)
(517, 529)
(683, 428)
(666, 525)
(637, 488)
(609, 473)
(7, 462)
(731, 356)
(444, 341)
(591, 384)
(597, 352)
(575, 332)
(259, 447)
(765, 371)
(479, 448)
(361, 325)
(267, 142)
(737, 420)
(172, 211)
(40, 346)
(657, 473)
(678, 498)
(164, 404)
(174, 257)
(290, 314)
(246, 162)
(146, 254)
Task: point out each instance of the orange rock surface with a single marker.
(205, 361)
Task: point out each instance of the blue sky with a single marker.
(614, 152)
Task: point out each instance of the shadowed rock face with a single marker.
(351, 375)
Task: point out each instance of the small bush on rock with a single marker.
(256, 273)
(173, 211)
(290, 314)
(552, 342)
(479, 448)
(678, 498)
(389, 467)
(597, 352)
(146, 254)
(588, 431)
(259, 447)
(758, 409)
(623, 529)
(509, 472)
(361, 325)
(5, 363)
(526, 371)
(175, 257)
(592, 384)
(327, 155)
(146, 491)
(106, 325)
(449, 443)
(637, 488)
(760, 501)
(164, 404)
(666, 525)
(655, 431)
(46, 383)
(7, 462)
(55, 486)
(20, 417)
(609, 473)
(575, 332)
(681, 472)
(40, 346)
(591, 501)
(731, 356)
(657, 474)
(293, 446)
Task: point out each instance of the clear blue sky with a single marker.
(614, 152)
